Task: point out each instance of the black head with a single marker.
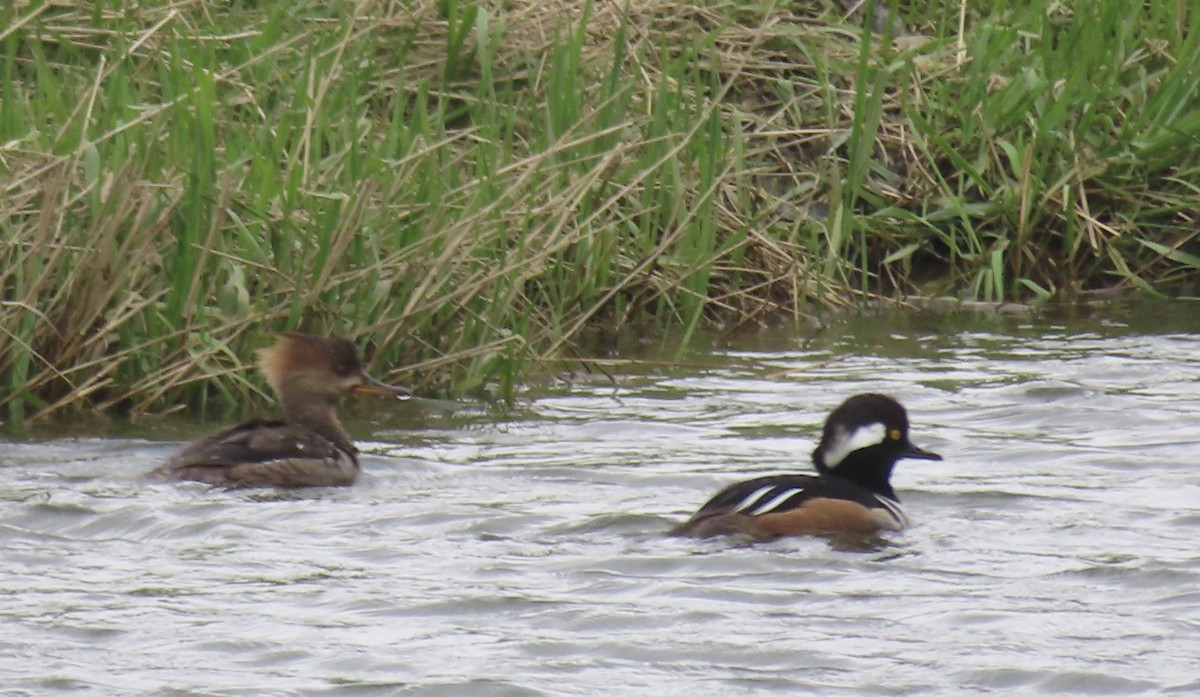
(863, 439)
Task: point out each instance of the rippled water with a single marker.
(1053, 551)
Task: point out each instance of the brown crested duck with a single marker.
(308, 447)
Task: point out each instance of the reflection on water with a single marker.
(1053, 550)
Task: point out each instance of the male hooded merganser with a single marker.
(309, 447)
(863, 439)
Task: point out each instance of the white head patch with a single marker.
(845, 443)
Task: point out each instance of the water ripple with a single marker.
(1053, 550)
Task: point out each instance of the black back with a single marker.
(752, 496)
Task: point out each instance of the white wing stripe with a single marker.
(775, 502)
(753, 498)
(894, 508)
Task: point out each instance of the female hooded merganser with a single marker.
(309, 447)
(863, 439)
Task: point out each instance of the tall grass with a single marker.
(1062, 154)
(471, 187)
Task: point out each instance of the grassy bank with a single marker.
(473, 188)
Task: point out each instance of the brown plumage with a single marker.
(816, 516)
(309, 447)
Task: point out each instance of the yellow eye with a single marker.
(895, 434)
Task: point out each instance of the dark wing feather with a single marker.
(739, 507)
(756, 496)
(262, 453)
(254, 441)
(735, 495)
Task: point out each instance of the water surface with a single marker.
(1054, 551)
